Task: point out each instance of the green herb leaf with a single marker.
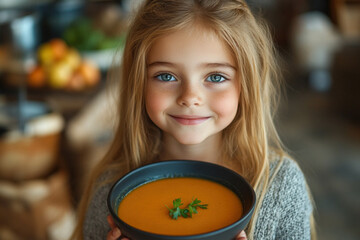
(187, 212)
(177, 202)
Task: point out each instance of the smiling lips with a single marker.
(189, 120)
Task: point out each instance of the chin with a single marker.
(190, 140)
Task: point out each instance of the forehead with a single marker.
(193, 43)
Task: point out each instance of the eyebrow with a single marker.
(227, 65)
(212, 65)
(160, 63)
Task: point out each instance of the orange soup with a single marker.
(146, 206)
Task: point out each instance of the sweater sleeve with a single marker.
(95, 224)
(286, 208)
(295, 204)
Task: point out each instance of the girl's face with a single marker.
(192, 89)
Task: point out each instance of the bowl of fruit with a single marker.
(60, 66)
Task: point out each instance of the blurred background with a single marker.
(54, 123)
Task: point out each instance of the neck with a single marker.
(209, 150)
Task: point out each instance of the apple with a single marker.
(76, 82)
(59, 74)
(73, 58)
(45, 54)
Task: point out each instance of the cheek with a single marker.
(225, 105)
(156, 102)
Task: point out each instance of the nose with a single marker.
(190, 96)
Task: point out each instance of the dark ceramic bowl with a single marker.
(183, 168)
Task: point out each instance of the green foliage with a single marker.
(82, 35)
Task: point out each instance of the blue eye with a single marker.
(166, 77)
(215, 78)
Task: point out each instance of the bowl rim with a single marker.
(176, 237)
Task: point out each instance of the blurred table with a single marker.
(66, 102)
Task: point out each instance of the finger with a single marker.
(111, 222)
(113, 234)
(242, 236)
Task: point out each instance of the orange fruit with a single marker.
(58, 48)
(37, 77)
(90, 72)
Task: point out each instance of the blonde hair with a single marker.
(247, 139)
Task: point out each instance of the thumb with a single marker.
(113, 234)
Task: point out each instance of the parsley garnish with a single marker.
(191, 208)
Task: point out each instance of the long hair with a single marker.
(251, 135)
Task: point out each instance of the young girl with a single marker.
(198, 82)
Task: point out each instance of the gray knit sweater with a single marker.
(285, 212)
